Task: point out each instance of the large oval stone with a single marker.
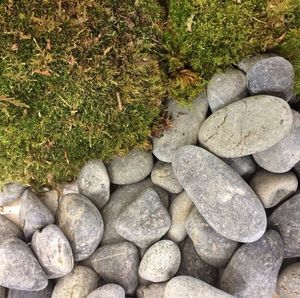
(222, 197)
(248, 126)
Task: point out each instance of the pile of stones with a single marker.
(213, 211)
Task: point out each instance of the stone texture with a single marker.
(131, 168)
(273, 188)
(50, 200)
(225, 88)
(285, 154)
(118, 263)
(68, 187)
(2, 292)
(246, 127)
(77, 284)
(12, 212)
(9, 230)
(11, 192)
(155, 290)
(186, 122)
(81, 222)
(288, 284)
(93, 182)
(19, 268)
(108, 291)
(53, 251)
(145, 220)
(253, 269)
(45, 293)
(223, 198)
(247, 63)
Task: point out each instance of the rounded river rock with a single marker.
(288, 284)
(108, 291)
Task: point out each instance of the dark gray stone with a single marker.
(9, 230)
(253, 269)
(247, 63)
(108, 291)
(45, 293)
(247, 126)
(11, 192)
(2, 292)
(288, 284)
(81, 222)
(223, 198)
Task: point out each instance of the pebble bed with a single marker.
(212, 212)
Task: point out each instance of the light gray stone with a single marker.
(45, 293)
(108, 291)
(9, 230)
(223, 198)
(82, 224)
(288, 284)
(247, 63)
(94, 183)
(19, 268)
(253, 269)
(186, 122)
(247, 126)
(273, 188)
(282, 156)
(145, 220)
(50, 200)
(11, 192)
(150, 291)
(12, 212)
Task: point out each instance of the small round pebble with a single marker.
(45, 293)
(152, 290)
(108, 291)
(288, 284)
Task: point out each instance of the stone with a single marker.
(50, 200)
(44, 293)
(273, 188)
(225, 88)
(163, 176)
(152, 290)
(286, 220)
(272, 76)
(145, 220)
(119, 200)
(12, 212)
(247, 63)
(222, 197)
(68, 187)
(53, 251)
(131, 168)
(9, 230)
(82, 224)
(192, 265)
(19, 268)
(288, 284)
(94, 183)
(297, 169)
(253, 269)
(247, 126)
(77, 284)
(160, 262)
(282, 156)
(11, 192)
(108, 291)
(190, 287)
(180, 209)
(2, 292)
(186, 122)
(118, 263)
(212, 247)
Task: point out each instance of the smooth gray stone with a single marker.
(288, 284)
(53, 251)
(212, 247)
(2, 292)
(19, 268)
(286, 220)
(9, 230)
(50, 200)
(45, 293)
(272, 76)
(247, 126)
(11, 192)
(34, 215)
(82, 224)
(152, 290)
(273, 188)
(79, 283)
(131, 168)
(247, 63)
(108, 291)
(223, 198)
(145, 220)
(225, 88)
(68, 187)
(118, 263)
(186, 122)
(119, 200)
(193, 265)
(163, 176)
(93, 182)
(285, 154)
(190, 287)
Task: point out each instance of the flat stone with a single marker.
(108, 291)
(19, 268)
(288, 284)
(9, 230)
(50, 200)
(253, 269)
(45, 293)
(273, 188)
(163, 176)
(223, 198)
(273, 76)
(53, 251)
(190, 287)
(131, 168)
(282, 156)
(93, 182)
(81, 222)
(11, 192)
(247, 126)
(118, 263)
(247, 63)
(145, 220)
(225, 88)
(186, 122)
(79, 283)
(286, 219)
(152, 290)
